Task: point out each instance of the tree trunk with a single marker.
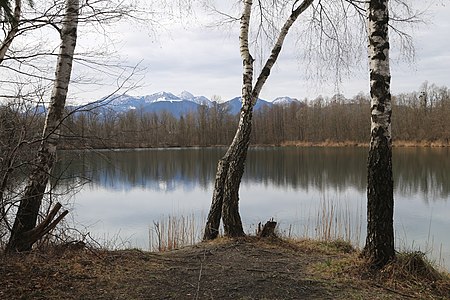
(379, 248)
(6, 43)
(225, 202)
(215, 212)
(231, 167)
(30, 204)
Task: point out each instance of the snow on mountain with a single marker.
(186, 95)
(284, 101)
(161, 96)
(118, 103)
(234, 105)
(179, 105)
(201, 100)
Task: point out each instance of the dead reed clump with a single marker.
(413, 271)
(416, 264)
(174, 232)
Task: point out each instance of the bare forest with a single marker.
(44, 51)
(419, 117)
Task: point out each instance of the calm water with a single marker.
(131, 189)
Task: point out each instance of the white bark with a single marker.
(231, 167)
(6, 43)
(63, 72)
(27, 213)
(379, 69)
(379, 248)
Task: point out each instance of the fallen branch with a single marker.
(47, 225)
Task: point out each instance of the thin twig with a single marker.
(200, 275)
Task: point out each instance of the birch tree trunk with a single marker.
(6, 43)
(225, 201)
(30, 204)
(379, 248)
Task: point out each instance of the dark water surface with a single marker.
(299, 187)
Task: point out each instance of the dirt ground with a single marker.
(247, 268)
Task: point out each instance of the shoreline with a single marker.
(323, 144)
(245, 268)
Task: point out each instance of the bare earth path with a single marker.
(227, 269)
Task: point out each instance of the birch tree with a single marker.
(12, 19)
(25, 82)
(333, 45)
(25, 232)
(225, 200)
(379, 248)
(5, 9)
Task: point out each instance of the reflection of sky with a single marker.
(423, 226)
(127, 202)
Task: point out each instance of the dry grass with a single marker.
(334, 221)
(174, 232)
(247, 268)
(326, 143)
(412, 270)
(432, 144)
(396, 143)
(410, 276)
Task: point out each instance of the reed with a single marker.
(173, 232)
(332, 220)
(336, 220)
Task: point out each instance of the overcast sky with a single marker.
(206, 61)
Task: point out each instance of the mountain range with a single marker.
(176, 105)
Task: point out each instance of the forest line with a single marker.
(421, 119)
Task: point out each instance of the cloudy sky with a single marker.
(205, 61)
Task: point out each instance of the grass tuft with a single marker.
(413, 267)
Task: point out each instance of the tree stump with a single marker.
(267, 230)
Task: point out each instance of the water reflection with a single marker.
(130, 189)
(418, 172)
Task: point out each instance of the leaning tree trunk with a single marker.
(22, 236)
(231, 167)
(6, 43)
(379, 248)
(225, 202)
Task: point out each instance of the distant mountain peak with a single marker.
(284, 100)
(185, 95)
(179, 105)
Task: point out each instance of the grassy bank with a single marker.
(327, 143)
(247, 268)
(396, 143)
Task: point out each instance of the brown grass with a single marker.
(432, 144)
(326, 143)
(174, 232)
(396, 143)
(247, 268)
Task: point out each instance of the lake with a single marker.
(315, 192)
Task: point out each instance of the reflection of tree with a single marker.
(416, 170)
(304, 168)
(423, 171)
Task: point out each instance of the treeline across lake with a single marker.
(417, 171)
(418, 117)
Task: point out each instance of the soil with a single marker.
(248, 268)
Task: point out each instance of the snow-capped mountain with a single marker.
(179, 105)
(234, 105)
(161, 97)
(285, 101)
(202, 100)
(158, 102)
